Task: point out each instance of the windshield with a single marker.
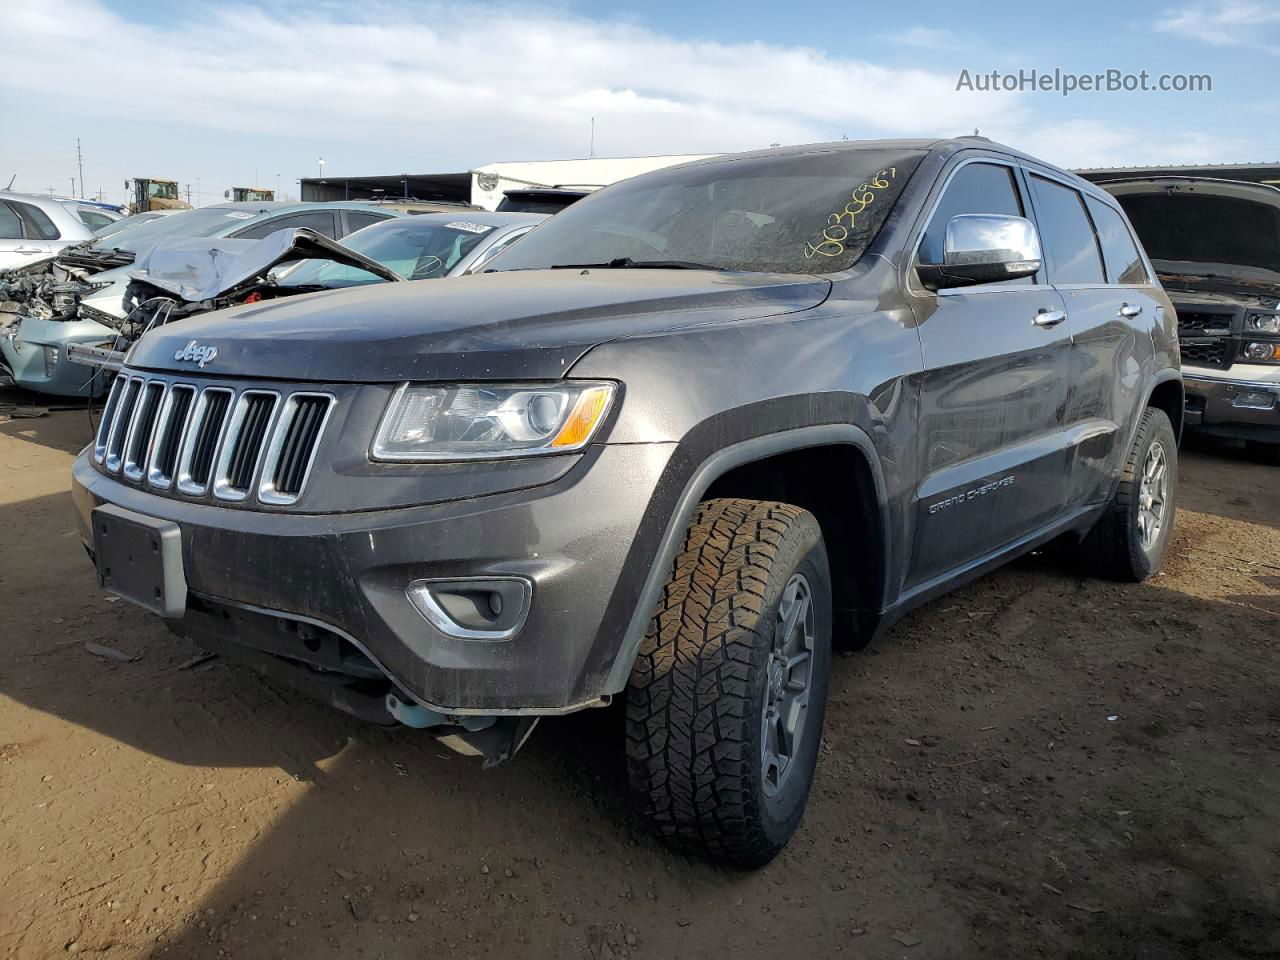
(799, 213)
(1204, 229)
(417, 249)
(204, 222)
(164, 191)
(116, 226)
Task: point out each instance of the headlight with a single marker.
(1263, 322)
(482, 421)
(1262, 352)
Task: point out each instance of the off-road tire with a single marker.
(698, 689)
(1262, 452)
(1114, 547)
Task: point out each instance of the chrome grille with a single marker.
(234, 444)
(239, 455)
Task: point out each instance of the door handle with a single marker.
(1049, 318)
(27, 250)
(1130, 310)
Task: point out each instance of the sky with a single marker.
(253, 93)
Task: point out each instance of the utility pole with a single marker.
(188, 194)
(73, 186)
(80, 164)
(592, 151)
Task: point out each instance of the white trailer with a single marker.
(490, 182)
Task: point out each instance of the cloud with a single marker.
(1238, 23)
(1081, 144)
(501, 82)
(927, 38)
(391, 85)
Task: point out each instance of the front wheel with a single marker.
(725, 701)
(1129, 541)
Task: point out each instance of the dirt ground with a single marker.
(1038, 765)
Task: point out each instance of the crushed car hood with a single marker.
(490, 326)
(1206, 234)
(198, 270)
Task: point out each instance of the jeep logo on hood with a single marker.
(194, 353)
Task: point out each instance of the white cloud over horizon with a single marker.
(1231, 23)
(469, 85)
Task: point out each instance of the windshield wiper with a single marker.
(626, 263)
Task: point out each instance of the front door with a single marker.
(992, 441)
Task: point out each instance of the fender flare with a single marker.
(709, 470)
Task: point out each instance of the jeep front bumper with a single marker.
(580, 543)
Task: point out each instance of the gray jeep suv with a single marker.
(665, 448)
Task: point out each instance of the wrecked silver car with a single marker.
(184, 278)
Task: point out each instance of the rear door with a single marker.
(1096, 267)
(20, 242)
(992, 419)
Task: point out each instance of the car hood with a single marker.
(490, 326)
(199, 270)
(1206, 234)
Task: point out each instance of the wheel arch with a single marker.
(744, 461)
(1167, 394)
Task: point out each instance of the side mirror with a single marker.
(226, 194)
(126, 184)
(984, 248)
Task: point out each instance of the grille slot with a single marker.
(120, 423)
(1206, 353)
(242, 449)
(108, 416)
(293, 447)
(195, 463)
(169, 432)
(138, 441)
(1196, 322)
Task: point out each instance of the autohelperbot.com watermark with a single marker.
(1065, 82)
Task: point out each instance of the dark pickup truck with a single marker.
(665, 448)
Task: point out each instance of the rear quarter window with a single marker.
(1119, 252)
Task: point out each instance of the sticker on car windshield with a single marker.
(240, 215)
(841, 225)
(468, 227)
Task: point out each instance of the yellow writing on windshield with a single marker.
(840, 225)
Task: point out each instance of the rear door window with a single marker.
(321, 221)
(359, 219)
(10, 225)
(1066, 232)
(975, 188)
(95, 220)
(1119, 252)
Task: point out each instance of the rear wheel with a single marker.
(725, 701)
(1129, 541)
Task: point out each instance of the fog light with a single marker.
(1254, 400)
(50, 360)
(473, 608)
(1261, 352)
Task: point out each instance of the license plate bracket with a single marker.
(139, 558)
